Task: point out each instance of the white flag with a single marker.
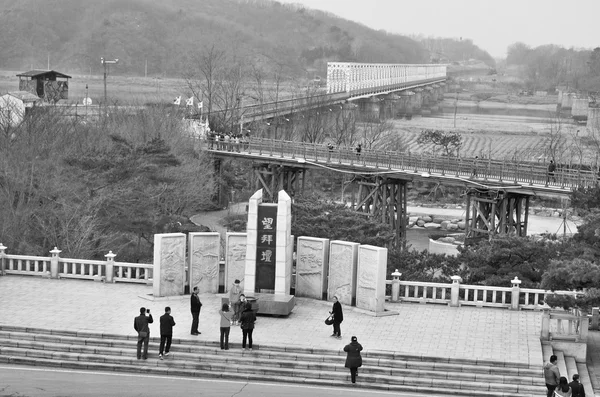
(189, 101)
(177, 100)
(200, 105)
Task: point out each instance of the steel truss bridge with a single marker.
(498, 192)
(348, 82)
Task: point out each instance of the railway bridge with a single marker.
(378, 89)
(498, 192)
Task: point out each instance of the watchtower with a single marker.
(49, 85)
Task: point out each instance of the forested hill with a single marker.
(77, 33)
(165, 35)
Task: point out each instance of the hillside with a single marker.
(167, 34)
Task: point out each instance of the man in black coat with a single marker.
(195, 305)
(166, 332)
(140, 324)
(576, 387)
(338, 317)
(353, 358)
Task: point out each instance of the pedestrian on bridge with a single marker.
(140, 324)
(353, 357)
(551, 169)
(358, 150)
(475, 164)
(330, 148)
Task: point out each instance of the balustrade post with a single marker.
(595, 318)
(516, 291)
(110, 266)
(54, 262)
(584, 326)
(396, 285)
(2, 256)
(455, 291)
(545, 332)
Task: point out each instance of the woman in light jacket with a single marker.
(226, 316)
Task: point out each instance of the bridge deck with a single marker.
(524, 178)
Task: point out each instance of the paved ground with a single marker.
(430, 330)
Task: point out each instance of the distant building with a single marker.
(14, 106)
(49, 85)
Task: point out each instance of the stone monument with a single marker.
(342, 271)
(235, 258)
(204, 255)
(268, 270)
(169, 264)
(312, 265)
(370, 281)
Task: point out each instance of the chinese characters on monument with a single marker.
(265, 247)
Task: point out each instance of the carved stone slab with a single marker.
(235, 259)
(370, 281)
(169, 264)
(312, 265)
(204, 255)
(343, 257)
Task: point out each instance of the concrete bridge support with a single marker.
(406, 104)
(391, 106)
(491, 212)
(370, 108)
(417, 101)
(274, 177)
(384, 199)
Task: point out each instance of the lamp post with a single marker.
(106, 62)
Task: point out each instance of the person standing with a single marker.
(358, 150)
(247, 324)
(552, 375)
(338, 317)
(563, 389)
(551, 169)
(353, 357)
(234, 299)
(166, 332)
(226, 321)
(475, 165)
(577, 388)
(140, 324)
(195, 305)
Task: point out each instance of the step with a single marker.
(382, 366)
(382, 370)
(584, 378)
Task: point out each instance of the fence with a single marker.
(520, 173)
(454, 294)
(57, 267)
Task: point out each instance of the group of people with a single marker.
(559, 386)
(237, 312)
(228, 141)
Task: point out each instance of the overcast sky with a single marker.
(492, 24)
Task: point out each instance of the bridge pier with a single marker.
(370, 108)
(491, 212)
(384, 199)
(406, 104)
(417, 101)
(391, 106)
(274, 177)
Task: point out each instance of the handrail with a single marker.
(492, 170)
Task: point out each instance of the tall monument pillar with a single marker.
(268, 270)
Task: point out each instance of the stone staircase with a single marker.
(568, 367)
(189, 358)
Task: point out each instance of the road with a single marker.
(23, 381)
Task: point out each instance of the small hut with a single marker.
(49, 85)
(14, 106)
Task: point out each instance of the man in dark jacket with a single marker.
(353, 359)
(140, 324)
(166, 332)
(338, 317)
(195, 305)
(576, 387)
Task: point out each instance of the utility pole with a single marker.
(106, 62)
